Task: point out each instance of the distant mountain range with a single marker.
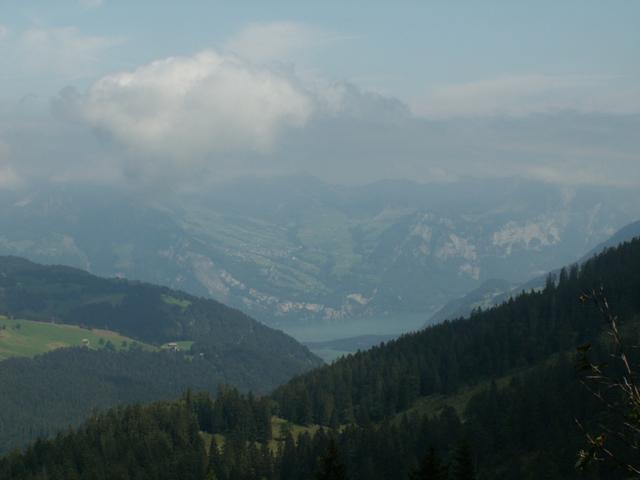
(494, 292)
(303, 255)
(486, 295)
(625, 234)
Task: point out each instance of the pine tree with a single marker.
(215, 460)
(430, 468)
(330, 466)
(288, 458)
(463, 467)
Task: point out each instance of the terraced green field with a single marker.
(26, 338)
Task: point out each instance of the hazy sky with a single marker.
(190, 92)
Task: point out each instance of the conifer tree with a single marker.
(430, 468)
(463, 467)
(215, 460)
(330, 466)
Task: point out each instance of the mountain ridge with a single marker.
(296, 252)
(494, 292)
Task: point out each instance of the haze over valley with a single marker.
(320, 261)
(319, 241)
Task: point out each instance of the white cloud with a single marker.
(277, 41)
(186, 121)
(520, 95)
(343, 99)
(62, 51)
(188, 107)
(4, 32)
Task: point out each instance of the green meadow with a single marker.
(26, 338)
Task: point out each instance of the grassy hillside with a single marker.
(151, 314)
(61, 306)
(27, 338)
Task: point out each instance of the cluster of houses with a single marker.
(172, 346)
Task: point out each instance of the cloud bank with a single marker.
(521, 95)
(186, 121)
(187, 107)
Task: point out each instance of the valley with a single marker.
(318, 260)
(475, 382)
(330, 350)
(319, 240)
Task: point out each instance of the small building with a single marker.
(173, 346)
(85, 342)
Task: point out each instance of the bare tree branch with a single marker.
(618, 392)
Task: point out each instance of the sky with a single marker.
(183, 94)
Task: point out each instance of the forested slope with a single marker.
(159, 441)
(52, 391)
(523, 431)
(518, 424)
(43, 396)
(440, 359)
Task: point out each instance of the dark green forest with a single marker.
(377, 383)
(51, 392)
(522, 431)
(40, 396)
(519, 422)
